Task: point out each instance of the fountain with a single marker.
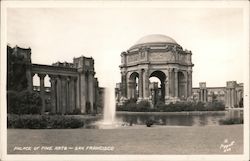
(109, 120)
(109, 107)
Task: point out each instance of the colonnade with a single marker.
(203, 94)
(68, 92)
(171, 84)
(233, 96)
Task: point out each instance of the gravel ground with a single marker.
(128, 140)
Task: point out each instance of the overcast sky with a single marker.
(214, 35)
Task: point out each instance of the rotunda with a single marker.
(156, 56)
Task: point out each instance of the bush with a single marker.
(76, 111)
(144, 106)
(149, 123)
(231, 121)
(23, 102)
(43, 121)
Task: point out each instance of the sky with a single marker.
(214, 35)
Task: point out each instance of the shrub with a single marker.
(149, 123)
(76, 111)
(144, 106)
(231, 121)
(43, 121)
(23, 102)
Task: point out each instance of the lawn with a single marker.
(129, 140)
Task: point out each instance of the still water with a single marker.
(176, 119)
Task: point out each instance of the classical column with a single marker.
(201, 95)
(63, 94)
(170, 83)
(82, 92)
(58, 94)
(189, 83)
(42, 91)
(77, 92)
(72, 94)
(124, 85)
(146, 85)
(176, 82)
(91, 90)
(129, 89)
(205, 95)
(232, 98)
(68, 94)
(53, 93)
(166, 90)
(186, 85)
(140, 84)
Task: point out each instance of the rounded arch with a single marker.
(133, 75)
(159, 74)
(133, 91)
(158, 93)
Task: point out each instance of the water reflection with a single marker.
(174, 119)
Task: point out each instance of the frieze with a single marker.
(133, 58)
(160, 56)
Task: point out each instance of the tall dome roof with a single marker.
(155, 38)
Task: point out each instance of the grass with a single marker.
(131, 140)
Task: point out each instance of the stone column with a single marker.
(82, 92)
(72, 94)
(232, 98)
(146, 84)
(205, 95)
(140, 84)
(58, 95)
(166, 90)
(123, 85)
(170, 83)
(42, 91)
(91, 90)
(201, 94)
(186, 85)
(129, 89)
(53, 93)
(77, 92)
(189, 83)
(63, 94)
(68, 95)
(176, 82)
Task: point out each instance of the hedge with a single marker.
(144, 106)
(43, 121)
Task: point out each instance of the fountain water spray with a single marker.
(109, 107)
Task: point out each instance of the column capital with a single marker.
(176, 70)
(52, 76)
(41, 75)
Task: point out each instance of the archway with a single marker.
(158, 77)
(133, 85)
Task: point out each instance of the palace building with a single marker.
(156, 56)
(162, 57)
(72, 85)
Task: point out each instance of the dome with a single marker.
(155, 38)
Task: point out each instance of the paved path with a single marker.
(129, 140)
